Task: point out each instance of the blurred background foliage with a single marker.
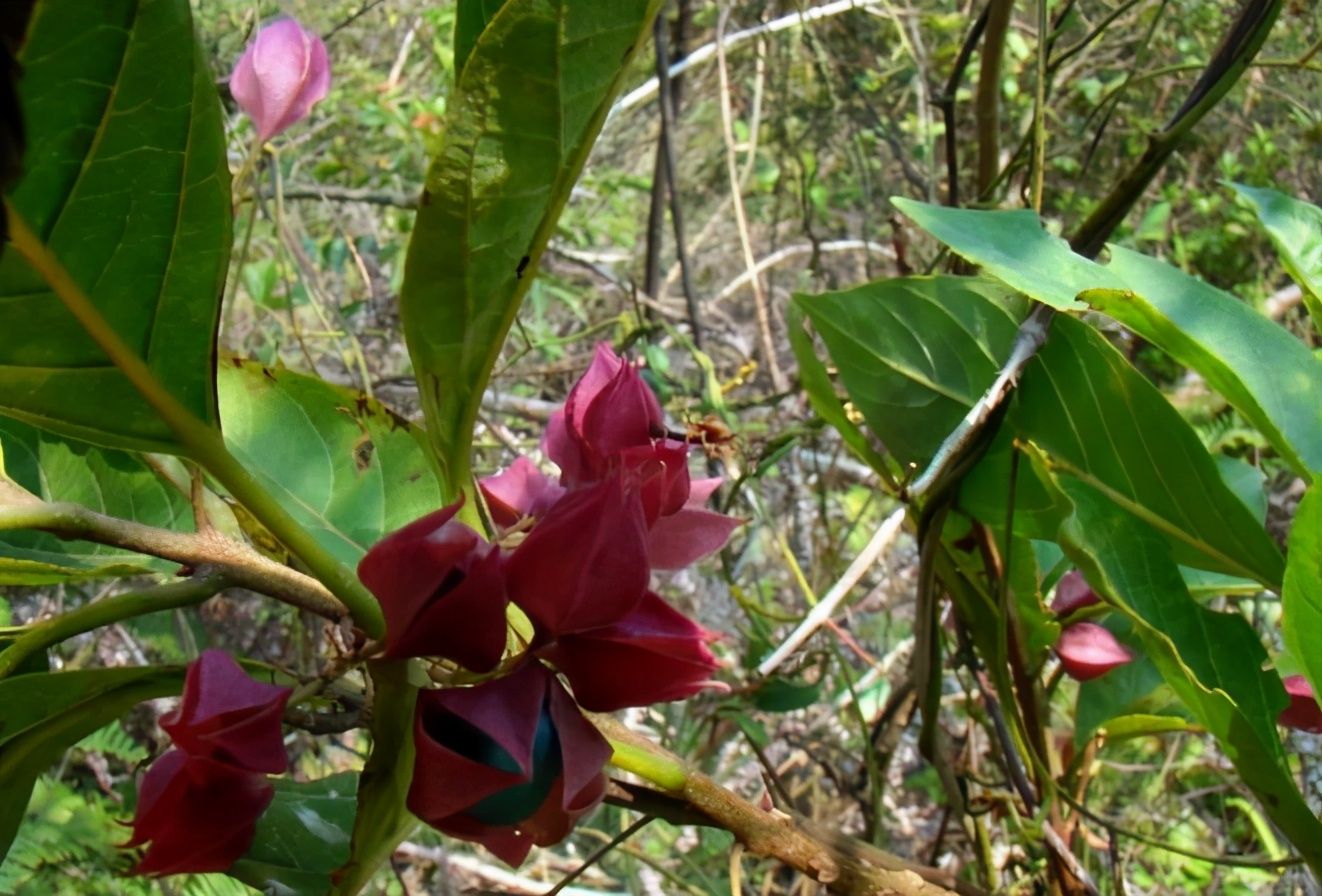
(830, 115)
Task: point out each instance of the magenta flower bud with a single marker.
(227, 716)
(508, 763)
(1073, 593)
(1088, 651)
(1303, 712)
(442, 591)
(279, 77)
(653, 654)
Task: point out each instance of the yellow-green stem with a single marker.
(203, 443)
(651, 766)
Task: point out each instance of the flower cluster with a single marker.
(512, 762)
(199, 803)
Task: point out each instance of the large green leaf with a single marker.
(302, 837)
(107, 481)
(1301, 610)
(46, 713)
(1099, 419)
(1265, 372)
(1213, 661)
(470, 20)
(344, 466)
(529, 102)
(1012, 247)
(1296, 229)
(915, 353)
(126, 179)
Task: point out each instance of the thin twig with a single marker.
(596, 854)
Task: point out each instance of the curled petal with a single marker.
(508, 763)
(685, 537)
(442, 591)
(654, 654)
(585, 564)
(1303, 712)
(280, 76)
(520, 491)
(228, 716)
(196, 815)
(608, 410)
(1089, 651)
(1073, 593)
(661, 470)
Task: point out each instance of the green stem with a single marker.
(649, 765)
(107, 612)
(202, 442)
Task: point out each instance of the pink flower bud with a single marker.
(280, 76)
(1073, 593)
(1303, 712)
(1088, 651)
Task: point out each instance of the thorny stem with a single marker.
(202, 442)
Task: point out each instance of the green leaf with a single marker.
(816, 382)
(1296, 229)
(1264, 371)
(302, 837)
(1213, 661)
(344, 466)
(383, 820)
(1012, 247)
(1123, 691)
(1099, 419)
(126, 180)
(1301, 598)
(46, 713)
(530, 100)
(782, 695)
(111, 482)
(470, 20)
(915, 353)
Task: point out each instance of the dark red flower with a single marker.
(508, 763)
(196, 814)
(609, 409)
(690, 533)
(442, 590)
(1303, 712)
(585, 564)
(227, 716)
(654, 653)
(1088, 651)
(1073, 593)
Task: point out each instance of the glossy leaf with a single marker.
(1295, 228)
(127, 181)
(302, 837)
(529, 102)
(1263, 370)
(1012, 247)
(346, 467)
(105, 480)
(1213, 661)
(46, 713)
(1301, 598)
(1099, 419)
(383, 819)
(915, 353)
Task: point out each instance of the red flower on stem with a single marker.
(1087, 651)
(1303, 712)
(442, 591)
(198, 804)
(509, 763)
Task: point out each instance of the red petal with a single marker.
(1088, 651)
(520, 491)
(585, 564)
(1303, 712)
(685, 537)
(198, 815)
(654, 654)
(1073, 593)
(229, 716)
